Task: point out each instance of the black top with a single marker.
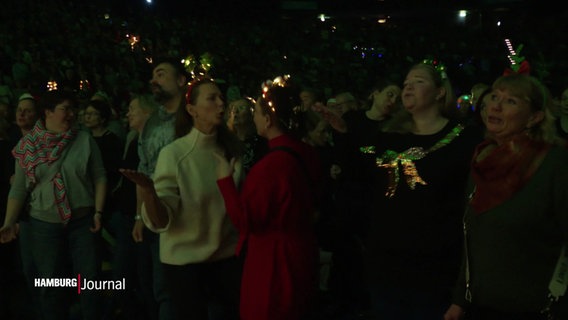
(111, 151)
(125, 195)
(415, 236)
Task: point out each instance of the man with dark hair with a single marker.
(168, 85)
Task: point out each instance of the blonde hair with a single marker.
(402, 122)
(147, 102)
(539, 98)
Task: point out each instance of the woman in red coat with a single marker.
(275, 211)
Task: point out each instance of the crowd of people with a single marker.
(368, 178)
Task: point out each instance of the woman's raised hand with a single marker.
(331, 116)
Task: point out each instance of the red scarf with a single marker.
(505, 170)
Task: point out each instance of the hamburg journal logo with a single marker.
(82, 284)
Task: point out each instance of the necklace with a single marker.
(393, 161)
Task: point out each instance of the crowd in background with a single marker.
(73, 41)
(350, 67)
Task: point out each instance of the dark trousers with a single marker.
(53, 247)
(205, 291)
(480, 313)
(397, 303)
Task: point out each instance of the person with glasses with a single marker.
(241, 122)
(62, 171)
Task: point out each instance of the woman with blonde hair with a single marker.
(421, 163)
(516, 221)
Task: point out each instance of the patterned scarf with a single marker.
(40, 146)
(505, 170)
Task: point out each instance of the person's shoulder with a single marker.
(151, 122)
(84, 135)
(179, 146)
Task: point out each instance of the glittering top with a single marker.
(393, 161)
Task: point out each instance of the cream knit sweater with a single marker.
(185, 179)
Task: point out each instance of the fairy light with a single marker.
(51, 85)
(84, 85)
(279, 81)
(132, 40)
(511, 51)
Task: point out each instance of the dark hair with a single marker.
(227, 140)
(283, 104)
(174, 62)
(103, 108)
(50, 99)
(379, 85)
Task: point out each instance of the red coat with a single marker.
(274, 215)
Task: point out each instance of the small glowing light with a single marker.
(107, 16)
(51, 85)
(462, 13)
(498, 23)
(322, 17)
(84, 85)
(382, 21)
(511, 50)
(133, 40)
(149, 1)
(285, 57)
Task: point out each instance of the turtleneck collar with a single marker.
(201, 139)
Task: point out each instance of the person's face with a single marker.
(320, 134)
(61, 118)
(165, 83)
(241, 113)
(385, 100)
(26, 114)
(419, 91)
(343, 105)
(209, 109)
(506, 115)
(564, 102)
(308, 99)
(136, 115)
(92, 118)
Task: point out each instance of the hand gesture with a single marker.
(331, 116)
(9, 232)
(96, 223)
(138, 231)
(454, 312)
(225, 168)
